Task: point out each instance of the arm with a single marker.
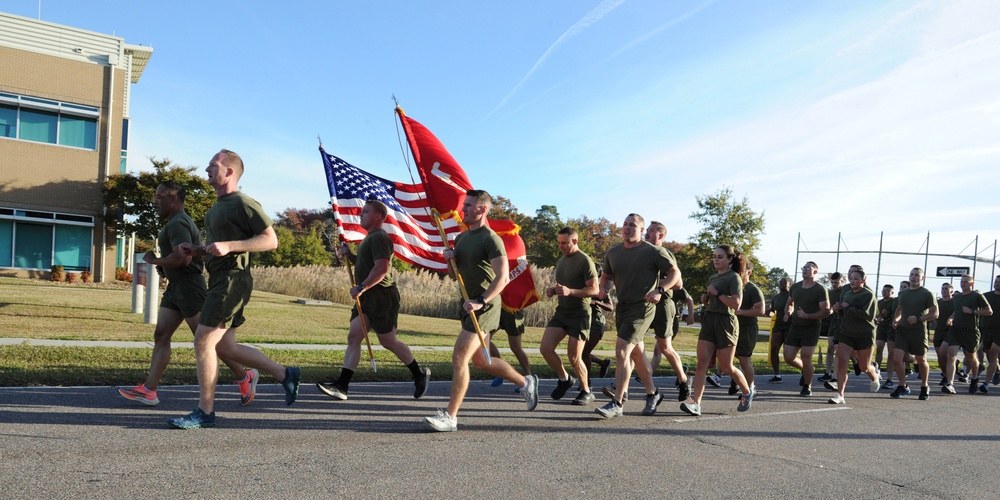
(176, 258)
(690, 317)
(604, 287)
(824, 311)
(378, 272)
(756, 310)
(589, 289)
(266, 240)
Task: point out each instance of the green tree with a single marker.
(724, 221)
(773, 276)
(541, 236)
(128, 198)
(504, 209)
(596, 235)
(293, 249)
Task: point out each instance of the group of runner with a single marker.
(643, 273)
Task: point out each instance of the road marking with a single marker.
(725, 417)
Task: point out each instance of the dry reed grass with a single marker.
(423, 293)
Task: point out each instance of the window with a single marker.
(51, 122)
(33, 246)
(6, 242)
(72, 247)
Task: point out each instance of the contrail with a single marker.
(592, 17)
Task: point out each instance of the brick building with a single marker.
(64, 121)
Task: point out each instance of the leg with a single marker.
(166, 324)
(466, 345)
(898, 360)
(623, 355)
(924, 368)
(205, 341)
(972, 360)
(725, 356)
(706, 351)
(574, 351)
(522, 357)
(777, 339)
(746, 366)
(644, 369)
(792, 357)
(890, 365)
(993, 354)
(352, 354)
(393, 344)
(551, 338)
(665, 345)
(948, 362)
(808, 370)
(844, 353)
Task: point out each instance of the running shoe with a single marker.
(442, 422)
(806, 391)
(832, 386)
(875, 384)
(248, 386)
(983, 388)
(497, 382)
(194, 420)
(332, 388)
(888, 385)
(825, 377)
(684, 391)
(531, 391)
(963, 378)
(901, 390)
(584, 398)
(605, 366)
(943, 381)
(714, 379)
(141, 394)
(949, 389)
(836, 400)
(561, 387)
(973, 385)
(775, 379)
(733, 388)
(745, 401)
(856, 366)
(691, 408)
(420, 384)
(291, 384)
(652, 401)
(610, 410)
(996, 378)
(925, 392)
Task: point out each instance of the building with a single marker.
(64, 122)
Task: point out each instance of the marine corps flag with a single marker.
(445, 185)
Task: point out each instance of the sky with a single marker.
(858, 122)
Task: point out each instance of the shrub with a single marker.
(57, 273)
(70, 277)
(86, 277)
(122, 275)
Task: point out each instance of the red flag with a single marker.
(445, 185)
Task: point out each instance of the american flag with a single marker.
(410, 226)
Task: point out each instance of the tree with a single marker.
(725, 221)
(541, 237)
(596, 235)
(773, 276)
(128, 198)
(504, 209)
(296, 249)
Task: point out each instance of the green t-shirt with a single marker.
(573, 271)
(945, 310)
(808, 300)
(474, 250)
(779, 303)
(992, 323)
(914, 302)
(751, 296)
(376, 246)
(234, 217)
(636, 271)
(859, 315)
(833, 297)
(180, 229)
(727, 283)
(962, 321)
(885, 308)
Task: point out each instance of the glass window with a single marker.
(73, 247)
(33, 246)
(38, 126)
(8, 121)
(6, 242)
(77, 132)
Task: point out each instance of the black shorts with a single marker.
(381, 306)
(575, 326)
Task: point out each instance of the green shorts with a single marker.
(882, 332)
(912, 341)
(940, 335)
(185, 294)
(664, 316)
(967, 339)
(228, 294)
(488, 316)
(633, 320)
(512, 323)
(381, 307)
(748, 336)
(598, 323)
(575, 326)
(719, 329)
(858, 341)
(804, 335)
(991, 336)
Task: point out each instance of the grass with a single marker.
(43, 310)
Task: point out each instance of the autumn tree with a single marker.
(128, 198)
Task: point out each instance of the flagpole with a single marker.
(361, 314)
(461, 286)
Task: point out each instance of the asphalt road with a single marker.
(89, 442)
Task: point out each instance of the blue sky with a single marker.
(857, 117)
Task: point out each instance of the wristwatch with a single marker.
(661, 290)
(480, 299)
